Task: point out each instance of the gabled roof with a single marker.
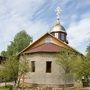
(30, 47)
(46, 47)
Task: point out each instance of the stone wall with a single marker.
(40, 76)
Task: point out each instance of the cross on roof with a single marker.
(58, 11)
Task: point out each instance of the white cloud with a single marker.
(30, 15)
(16, 15)
(79, 33)
(34, 29)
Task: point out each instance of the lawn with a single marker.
(3, 88)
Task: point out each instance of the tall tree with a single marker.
(65, 59)
(14, 70)
(24, 67)
(9, 69)
(86, 66)
(21, 40)
(69, 62)
(88, 52)
(3, 53)
(81, 67)
(11, 65)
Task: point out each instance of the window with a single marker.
(62, 36)
(56, 35)
(32, 66)
(48, 66)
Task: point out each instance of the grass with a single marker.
(7, 87)
(4, 88)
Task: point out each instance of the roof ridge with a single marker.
(66, 44)
(32, 43)
(56, 44)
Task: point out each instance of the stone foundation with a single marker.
(46, 85)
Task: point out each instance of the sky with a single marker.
(37, 17)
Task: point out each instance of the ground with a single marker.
(4, 88)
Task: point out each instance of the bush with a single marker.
(9, 86)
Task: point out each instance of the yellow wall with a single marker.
(42, 41)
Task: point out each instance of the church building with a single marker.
(41, 54)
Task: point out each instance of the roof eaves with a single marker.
(66, 44)
(32, 44)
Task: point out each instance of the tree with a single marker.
(9, 69)
(24, 67)
(3, 75)
(88, 51)
(65, 59)
(84, 67)
(79, 65)
(11, 65)
(3, 53)
(85, 70)
(21, 40)
(14, 70)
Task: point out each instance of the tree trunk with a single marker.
(5, 83)
(65, 82)
(18, 81)
(23, 83)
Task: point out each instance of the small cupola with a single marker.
(58, 30)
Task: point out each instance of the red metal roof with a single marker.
(46, 47)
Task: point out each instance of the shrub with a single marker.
(9, 86)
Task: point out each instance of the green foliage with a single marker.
(75, 63)
(23, 68)
(77, 67)
(3, 53)
(10, 87)
(85, 70)
(4, 88)
(21, 40)
(72, 63)
(9, 69)
(7, 87)
(85, 65)
(24, 65)
(65, 58)
(87, 62)
(88, 52)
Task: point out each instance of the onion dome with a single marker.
(58, 30)
(58, 27)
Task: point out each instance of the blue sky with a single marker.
(38, 16)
